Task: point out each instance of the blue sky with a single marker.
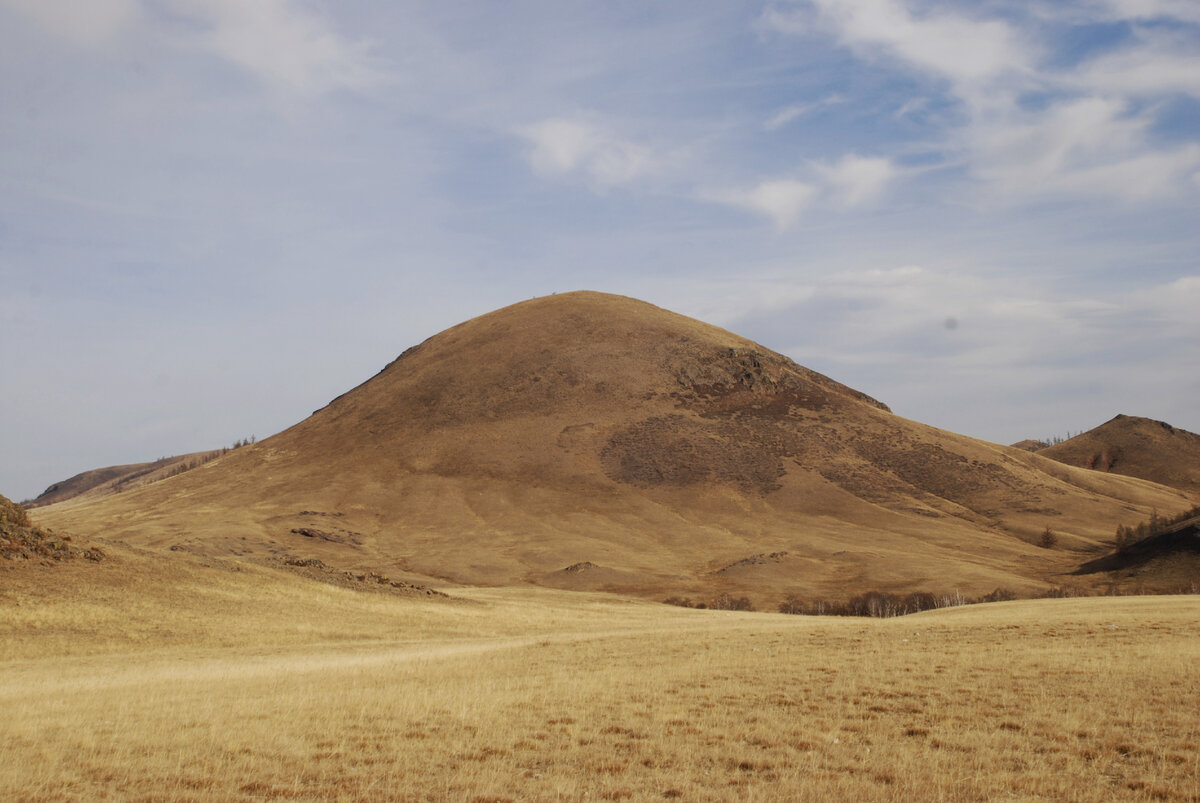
(217, 215)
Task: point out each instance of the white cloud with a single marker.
(1173, 303)
(784, 201)
(1184, 10)
(856, 180)
(88, 23)
(1141, 177)
(1088, 134)
(1085, 146)
(952, 46)
(914, 320)
(911, 106)
(787, 115)
(563, 145)
(851, 181)
(283, 44)
(1159, 64)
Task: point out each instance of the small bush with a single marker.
(728, 603)
(880, 604)
(721, 603)
(1048, 540)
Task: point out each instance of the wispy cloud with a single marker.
(857, 180)
(582, 145)
(1029, 125)
(1156, 64)
(851, 181)
(1089, 145)
(953, 46)
(283, 44)
(88, 24)
(783, 200)
(795, 111)
(1183, 10)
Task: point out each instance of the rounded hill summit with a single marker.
(660, 453)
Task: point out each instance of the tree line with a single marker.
(196, 462)
(1128, 537)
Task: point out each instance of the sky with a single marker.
(218, 215)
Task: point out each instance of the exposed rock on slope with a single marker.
(22, 540)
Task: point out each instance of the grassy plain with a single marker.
(220, 681)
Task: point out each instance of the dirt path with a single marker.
(90, 674)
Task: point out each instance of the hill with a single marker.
(1135, 447)
(590, 441)
(100, 482)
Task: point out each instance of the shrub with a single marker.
(728, 603)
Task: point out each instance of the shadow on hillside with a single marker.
(1181, 539)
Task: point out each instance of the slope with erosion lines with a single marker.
(587, 428)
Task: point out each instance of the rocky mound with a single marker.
(22, 540)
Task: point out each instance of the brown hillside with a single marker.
(116, 479)
(1136, 447)
(646, 451)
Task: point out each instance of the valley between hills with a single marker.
(447, 584)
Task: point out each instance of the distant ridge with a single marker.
(116, 479)
(586, 440)
(1135, 447)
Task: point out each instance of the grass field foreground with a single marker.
(542, 695)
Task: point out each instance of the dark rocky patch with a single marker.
(755, 560)
(677, 451)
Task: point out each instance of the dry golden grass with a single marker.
(261, 685)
